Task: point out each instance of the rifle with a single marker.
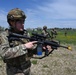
(41, 42)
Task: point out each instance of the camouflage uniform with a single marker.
(45, 32)
(53, 33)
(15, 56)
(14, 53)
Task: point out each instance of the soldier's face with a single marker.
(18, 25)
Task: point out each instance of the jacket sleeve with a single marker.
(6, 52)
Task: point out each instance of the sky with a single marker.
(52, 13)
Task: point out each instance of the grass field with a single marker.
(70, 38)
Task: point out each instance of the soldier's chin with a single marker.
(21, 29)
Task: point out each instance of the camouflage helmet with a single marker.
(16, 14)
(44, 27)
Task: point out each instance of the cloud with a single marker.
(59, 9)
(2, 15)
(3, 20)
(53, 13)
(59, 13)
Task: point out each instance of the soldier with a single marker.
(65, 33)
(15, 53)
(53, 33)
(45, 32)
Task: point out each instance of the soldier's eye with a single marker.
(19, 20)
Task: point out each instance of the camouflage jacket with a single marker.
(45, 33)
(7, 52)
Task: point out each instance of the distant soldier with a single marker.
(45, 32)
(65, 33)
(53, 33)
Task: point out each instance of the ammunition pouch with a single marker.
(18, 62)
(23, 65)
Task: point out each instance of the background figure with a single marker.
(53, 33)
(65, 33)
(45, 32)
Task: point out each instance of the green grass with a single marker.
(45, 66)
(34, 62)
(70, 38)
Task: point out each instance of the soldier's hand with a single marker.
(30, 45)
(48, 47)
